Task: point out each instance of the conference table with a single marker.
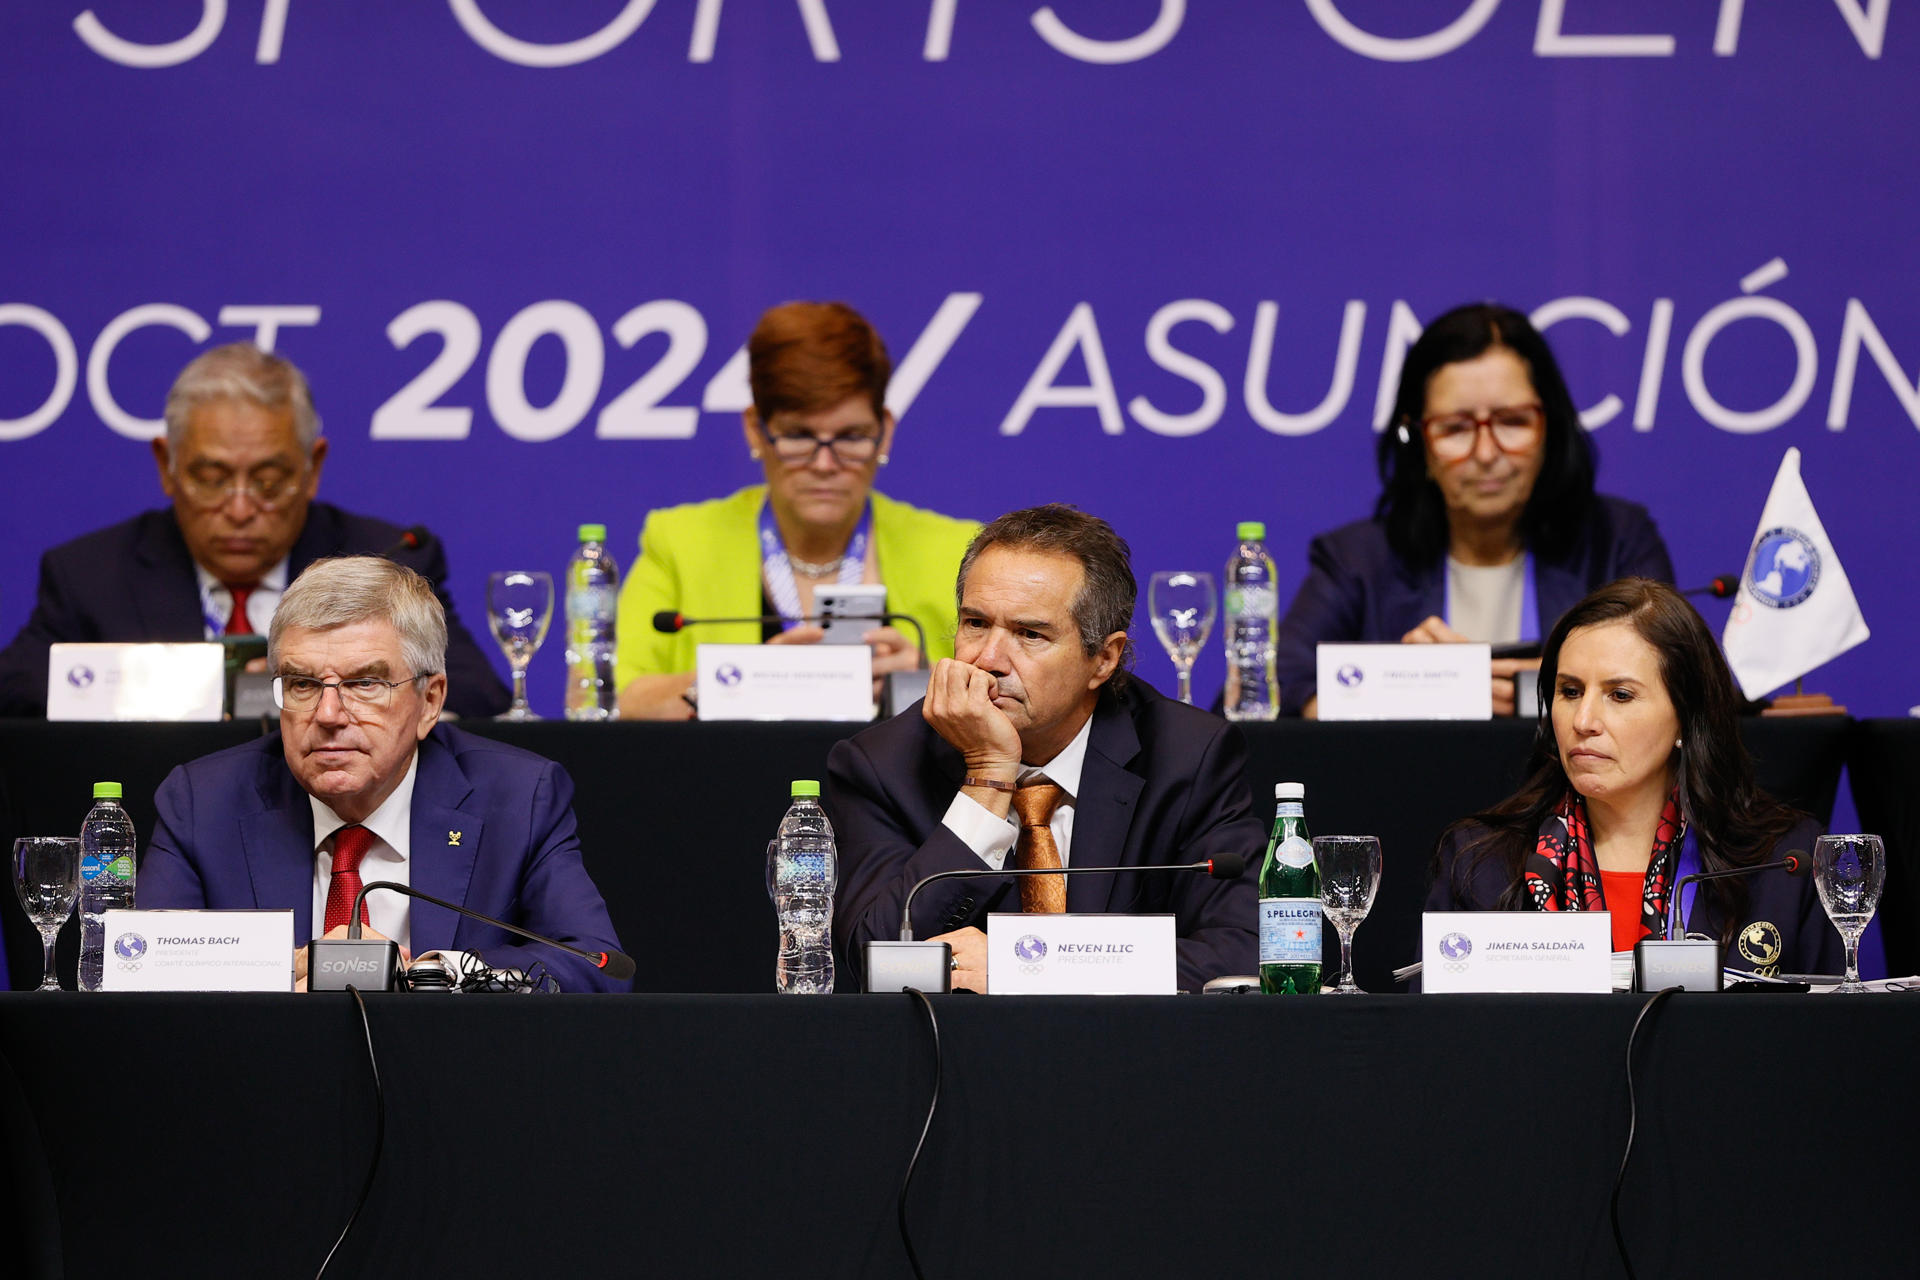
(675, 818)
(762, 1136)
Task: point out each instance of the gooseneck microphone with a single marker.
(1722, 587)
(333, 962)
(668, 622)
(926, 966)
(1694, 964)
(412, 538)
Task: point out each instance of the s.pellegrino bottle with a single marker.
(1252, 610)
(106, 876)
(802, 877)
(1290, 900)
(593, 597)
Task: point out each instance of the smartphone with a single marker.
(848, 610)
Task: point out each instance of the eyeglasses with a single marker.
(1516, 428)
(364, 693)
(799, 449)
(267, 490)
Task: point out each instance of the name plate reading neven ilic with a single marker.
(1081, 955)
(1405, 681)
(784, 681)
(198, 951)
(1562, 951)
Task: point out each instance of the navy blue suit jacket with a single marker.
(1785, 929)
(1163, 782)
(235, 832)
(1358, 592)
(134, 581)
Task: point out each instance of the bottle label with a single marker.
(590, 602)
(1294, 852)
(1252, 601)
(93, 866)
(1290, 809)
(1289, 931)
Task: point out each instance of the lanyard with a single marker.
(781, 588)
(1689, 865)
(1529, 603)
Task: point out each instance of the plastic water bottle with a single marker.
(593, 595)
(1290, 900)
(106, 876)
(1252, 608)
(805, 868)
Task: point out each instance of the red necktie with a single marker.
(237, 624)
(350, 844)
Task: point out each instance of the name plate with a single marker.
(1405, 681)
(198, 951)
(785, 681)
(1567, 951)
(136, 681)
(1081, 955)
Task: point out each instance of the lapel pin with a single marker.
(453, 839)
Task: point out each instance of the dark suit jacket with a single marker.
(134, 581)
(1358, 592)
(235, 832)
(1785, 929)
(1163, 783)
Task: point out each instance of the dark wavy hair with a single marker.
(1107, 587)
(1411, 506)
(1735, 823)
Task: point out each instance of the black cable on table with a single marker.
(933, 1105)
(1633, 1116)
(379, 1134)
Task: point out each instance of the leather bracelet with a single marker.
(990, 783)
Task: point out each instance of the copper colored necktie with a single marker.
(237, 621)
(1035, 848)
(350, 844)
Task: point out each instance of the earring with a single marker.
(754, 454)
(883, 459)
(1401, 433)
(1679, 743)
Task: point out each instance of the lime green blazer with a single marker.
(703, 559)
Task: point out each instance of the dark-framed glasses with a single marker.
(268, 489)
(363, 693)
(800, 448)
(1516, 428)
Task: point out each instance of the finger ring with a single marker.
(953, 963)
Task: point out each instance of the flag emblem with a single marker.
(1785, 568)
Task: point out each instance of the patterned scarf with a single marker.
(1561, 873)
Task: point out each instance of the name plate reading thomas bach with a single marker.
(1081, 955)
(198, 951)
(1561, 951)
(785, 681)
(1405, 681)
(136, 681)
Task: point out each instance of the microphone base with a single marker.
(1692, 964)
(895, 966)
(371, 964)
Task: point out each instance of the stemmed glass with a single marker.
(1349, 877)
(1848, 871)
(46, 875)
(519, 607)
(1182, 605)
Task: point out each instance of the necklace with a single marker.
(808, 569)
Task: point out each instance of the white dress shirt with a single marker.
(388, 859)
(216, 602)
(992, 836)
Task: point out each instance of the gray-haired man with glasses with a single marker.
(363, 783)
(240, 462)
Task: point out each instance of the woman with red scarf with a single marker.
(1638, 778)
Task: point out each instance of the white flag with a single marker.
(1795, 609)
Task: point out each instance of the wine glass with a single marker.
(1848, 871)
(519, 607)
(1349, 877)
(1182, 605)
(46, 875)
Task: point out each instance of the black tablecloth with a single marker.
(675, 818)
(1884, 769)
(764, 1136)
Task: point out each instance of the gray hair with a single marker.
(1105, 601)
(342, 590)
(242, 371)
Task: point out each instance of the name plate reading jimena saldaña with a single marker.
(1563, 951)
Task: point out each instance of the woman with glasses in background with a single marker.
(819, 428)
(1487, 528)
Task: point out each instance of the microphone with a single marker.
(669, 622)
(412, 538)
(1723, 587)
(927, 965)
(333, 962)
(1694, 964)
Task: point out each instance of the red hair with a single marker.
(807, 356)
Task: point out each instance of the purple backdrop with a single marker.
(1287, 186)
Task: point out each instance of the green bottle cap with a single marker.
(805, 787)
(106, 791)
(593, 533)
(1251, 531)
